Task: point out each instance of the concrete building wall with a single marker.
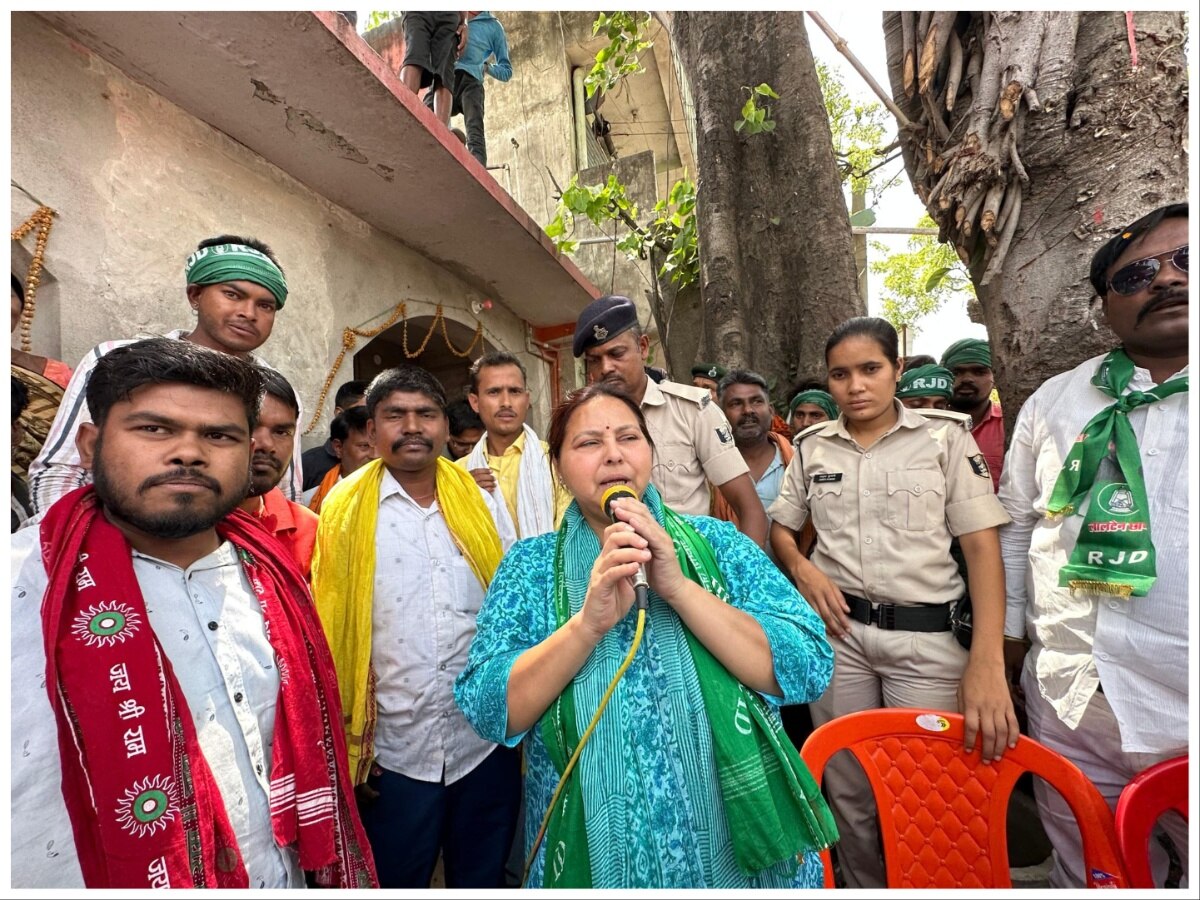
(136, 182)
(531, 129)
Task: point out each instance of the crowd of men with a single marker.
(233, 663)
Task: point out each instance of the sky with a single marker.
(898, 206)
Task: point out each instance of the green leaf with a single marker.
(774, 220)
(768, 125)
(863, 218)
(748, 108)
(764, 90)
(739, 124)
(557, 227)
(936, 278)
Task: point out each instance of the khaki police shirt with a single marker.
(885, 514)
(693, 445)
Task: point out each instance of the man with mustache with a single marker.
(970, 360)
(747, 405)
(509, 455)
(406, 548)
(693, 443)
(293, 525)
(235, 286)
(1096, 556)
(175, 715)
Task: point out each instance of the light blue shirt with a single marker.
(771, 483)
(485, 38)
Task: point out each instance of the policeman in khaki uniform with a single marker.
(887, 488)
(693, 443)
(708, 376)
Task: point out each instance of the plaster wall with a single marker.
(137, 182)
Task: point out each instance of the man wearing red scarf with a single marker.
(175, 715)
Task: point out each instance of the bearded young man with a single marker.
(274, 437)
(175, 716)
(1096, 557)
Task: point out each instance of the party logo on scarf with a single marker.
(148, 806)
(106, 624)
(1116, 499)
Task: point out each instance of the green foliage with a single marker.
(755, 118)
(858, 130)
(378, 17)
(920, 281)
(621, 56)
(672, 230)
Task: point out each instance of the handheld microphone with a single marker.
(641, 587)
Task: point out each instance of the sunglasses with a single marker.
(1137, 275)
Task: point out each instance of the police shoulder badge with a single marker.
(723, 434)
(979, 465)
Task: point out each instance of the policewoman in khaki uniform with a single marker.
(887, 488)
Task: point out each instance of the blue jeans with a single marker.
(471, 823)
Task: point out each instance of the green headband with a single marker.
(926, 381)
(968, 352)
(820, 398)
(236, 262)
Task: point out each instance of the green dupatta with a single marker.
(773, 806)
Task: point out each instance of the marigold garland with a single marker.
(42, 219)
(350, 338)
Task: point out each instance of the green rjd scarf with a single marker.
(1114, 554)
(772, 804)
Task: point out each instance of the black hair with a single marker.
(406, 378)
(348, 392)
(743, 376)
(250, 242)
(462, 417)
(19, 289)
(556, 438)
(878, 330)
(120, 372)
(353, 419)
(920, 359)
(20, 398)
(489, 360)
(1111, 251)
(279, 388)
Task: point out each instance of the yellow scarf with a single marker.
(343, 581)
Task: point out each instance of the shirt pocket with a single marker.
(827, 506)
(674, 463)
(916, 499)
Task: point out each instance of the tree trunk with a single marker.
(1053, 143)
(776, 255)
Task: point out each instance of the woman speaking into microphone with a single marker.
(663, 719)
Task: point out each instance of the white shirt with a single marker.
(227, 675)
(1137, 647)
(58, 470)
(422, 623)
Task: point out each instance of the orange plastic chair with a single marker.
(1158, 789)
(942, 812)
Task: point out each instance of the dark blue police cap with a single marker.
(602, 320)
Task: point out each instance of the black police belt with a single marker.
(890, 617)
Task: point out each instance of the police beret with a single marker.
(709, 370)
(602, 320)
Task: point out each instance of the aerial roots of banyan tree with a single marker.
(971, 79)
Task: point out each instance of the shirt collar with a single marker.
(389, 486)
(905, 418)
(517, 446)
(653, 395)
(277, 511)
(224, 555)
